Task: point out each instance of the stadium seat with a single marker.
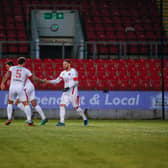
(134, 84)
(38, 67)
(91, 75)
(155, 76)
(100, 67)
(48, 66)
(123, 85)
(133, 75)
(113, 84)
(102, 75)
(102, 85)
(145, 84)
(112, 76)
(92, 84)
(111, 68)
(29, 66)
(156, 84)
(90, 68)
(143, 75)
(83, 85)
(80, 67)
(123, 75)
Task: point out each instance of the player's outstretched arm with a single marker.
(37, 79)
(55, 81)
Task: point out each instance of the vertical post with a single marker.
(94, 50)
(162, 57)
(63, 50)
(0, 50)
(85, 50)
(37, 50)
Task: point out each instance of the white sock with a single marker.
(21, 106)
(27, 111)
(40, 111)
(9, 111)
(80, 111)
(62, 114)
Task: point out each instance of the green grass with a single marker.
(103, 144)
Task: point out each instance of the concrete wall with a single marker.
(95, 114)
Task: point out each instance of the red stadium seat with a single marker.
(145, 85)
(144, 75)
(92, 84)
(37, 61)
(111, 68)
(48, 67)
(38, 67)
(102, 85)
(122, 75)
(83, 85)
(156, 84)
(134, 84)
(80, 67)
(113, 76)
(155, 76)
(123, 85)
(102, 75)
(82, 75)
(90, 67)
(100, 67)
(29, 66)
(50, 75)
(113, 84)
(91, 75)
(133, 75)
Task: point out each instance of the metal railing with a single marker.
(152, 48)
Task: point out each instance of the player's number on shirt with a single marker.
(18, 73)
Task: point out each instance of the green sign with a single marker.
(58, 15)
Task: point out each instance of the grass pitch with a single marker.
(103, 144)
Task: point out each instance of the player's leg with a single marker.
(9, 112)
(62, 112)
(76, 105)
(32, 99)
(62, 115)
(11, 97)
(19, 104)
(24, 98)
(40, 111)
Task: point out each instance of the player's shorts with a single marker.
(30, 90)
(19, 92)
(71, 96)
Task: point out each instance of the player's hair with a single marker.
(21, 60)
(68, 61)
(10, 63)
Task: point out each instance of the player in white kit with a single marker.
(30, 90)
(70, 94)
(19, 74)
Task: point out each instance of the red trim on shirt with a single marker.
(30, 76)
(73, 90)
(75, 78)
(77, 100)
(61, 77)
(26, 94)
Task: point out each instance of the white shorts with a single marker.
(71, 96)
(17, 92)
(30, 90)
